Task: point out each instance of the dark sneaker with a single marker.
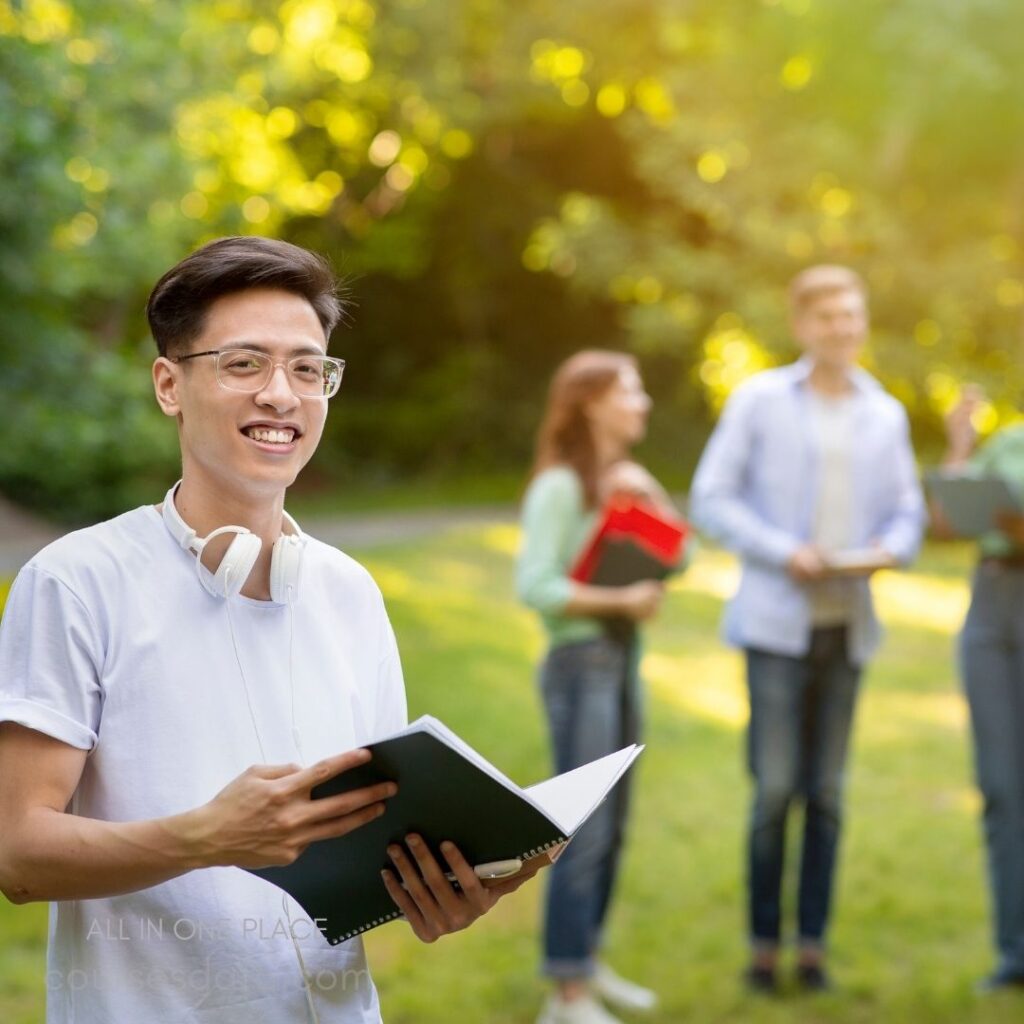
(761, 980)
(813, 978)
(1002, 981)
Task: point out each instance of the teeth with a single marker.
(271, 436)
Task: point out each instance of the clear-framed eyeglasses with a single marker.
(245, 369)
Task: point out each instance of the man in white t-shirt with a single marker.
(810, 478)
(163, 681)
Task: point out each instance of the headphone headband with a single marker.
(176, 526)
(239, 559)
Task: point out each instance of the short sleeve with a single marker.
(986, 457)
(51, 658)
(1003, 455)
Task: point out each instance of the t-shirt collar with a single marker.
(859, 379)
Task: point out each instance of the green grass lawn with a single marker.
(911, 933)
(360, 496)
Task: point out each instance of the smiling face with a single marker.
(832, 328)
(253, 443)
(619, 415)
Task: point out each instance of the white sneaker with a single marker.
(626, 995)
(585, 1010)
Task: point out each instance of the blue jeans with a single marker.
(992, 667)
(801, 711)
(592, 698)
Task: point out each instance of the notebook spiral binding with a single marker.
(535, 852)
(538, 850)
(366, 927)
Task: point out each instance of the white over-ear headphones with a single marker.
(238, 560)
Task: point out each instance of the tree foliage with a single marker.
(502, 183)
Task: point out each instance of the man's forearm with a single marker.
(59, 856)
(732, 523)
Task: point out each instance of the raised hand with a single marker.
(960, 431)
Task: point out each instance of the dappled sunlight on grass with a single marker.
(713, 572)
(967, 800)
(393, 582)
(454, 619)
(897, 715)
(457, 575)
(925, 602)
(502, 540)
(457, 600)
(453, 576)
(708, 686)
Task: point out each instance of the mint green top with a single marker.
(556, 525)
(1003, 456)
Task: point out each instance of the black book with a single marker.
(446, 790)
(632, 541)
(624, 561)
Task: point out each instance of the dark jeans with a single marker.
(992, 666)
(591, 695)
(801, 711)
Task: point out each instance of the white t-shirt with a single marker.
(109, 643)
(832, 601)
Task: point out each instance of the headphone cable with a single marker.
(241, 672)
(259, 742)
(296, 738)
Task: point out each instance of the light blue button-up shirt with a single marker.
(756, 488)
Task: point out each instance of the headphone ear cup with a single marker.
(285, 563)
(236, 564)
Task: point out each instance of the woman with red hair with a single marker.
(596, 412)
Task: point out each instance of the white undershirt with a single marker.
(832, 431)
(110, 644)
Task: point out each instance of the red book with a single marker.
(631, 542)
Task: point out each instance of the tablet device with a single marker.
(971, 503)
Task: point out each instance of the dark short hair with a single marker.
(178, 303)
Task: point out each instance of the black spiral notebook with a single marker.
(446, 790)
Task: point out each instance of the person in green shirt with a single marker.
(992, 668)
(596, 412)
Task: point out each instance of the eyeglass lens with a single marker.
(309, 375)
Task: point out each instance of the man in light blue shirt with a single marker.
(810, 478)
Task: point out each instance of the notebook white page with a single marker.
(569, 799)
